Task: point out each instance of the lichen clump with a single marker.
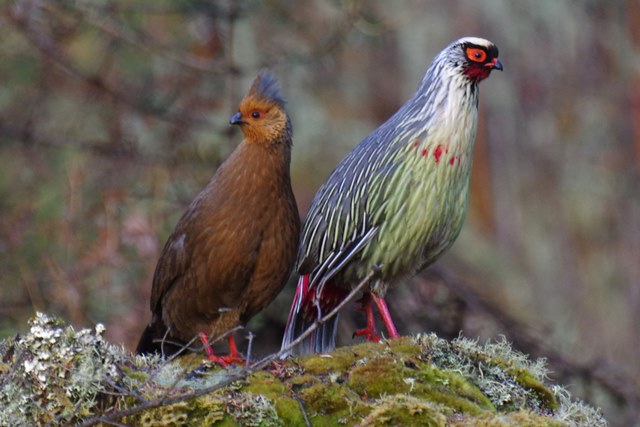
(54, 373)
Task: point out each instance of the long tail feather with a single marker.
(303, 314)
(154, 340)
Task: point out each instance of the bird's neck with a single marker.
(254, 167)
(441, 117)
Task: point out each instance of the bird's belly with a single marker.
(418, 230)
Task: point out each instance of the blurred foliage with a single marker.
(113, 114)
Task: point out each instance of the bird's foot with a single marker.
(225, 361)
(368, 333)
(234, 356)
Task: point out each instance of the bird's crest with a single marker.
(266, 88)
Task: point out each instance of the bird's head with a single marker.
(474, 57)
(261, 114)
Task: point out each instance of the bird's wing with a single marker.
(342, 218)
(170, 267)
(199, 254)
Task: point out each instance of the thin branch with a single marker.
(249, 348)
(302, 408)
(233, 377)
(319, 322)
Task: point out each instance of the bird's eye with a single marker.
(255, 114)
(476, 55)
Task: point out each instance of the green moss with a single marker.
(265, 383)
(450, 389)
(303, 379)
(528, 381)
(378, 376)
(404, 347)
(338, 361)
(401, 410)
(323, 399)
(289, 412)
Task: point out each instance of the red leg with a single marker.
(234, 356)
(370, 331)
(386, 316)
(224, 361)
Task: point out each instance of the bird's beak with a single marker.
(494, 65)
(237, 119)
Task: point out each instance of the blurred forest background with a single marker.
(113, 115)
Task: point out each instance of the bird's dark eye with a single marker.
(255, 114)
(476, 54)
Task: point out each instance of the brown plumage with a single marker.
(233, 249)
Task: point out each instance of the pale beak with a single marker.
(494, 65)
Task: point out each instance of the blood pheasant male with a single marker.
(396, 202)
(233, 249)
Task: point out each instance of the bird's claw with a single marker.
(226, 361)
(368, 333)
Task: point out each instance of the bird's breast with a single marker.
(424, 204)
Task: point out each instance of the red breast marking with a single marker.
(437, 153)
(424, 152)
(454, 159)
(416, 143)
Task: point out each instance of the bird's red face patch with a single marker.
(480, 62)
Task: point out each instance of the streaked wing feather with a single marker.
(340, 221)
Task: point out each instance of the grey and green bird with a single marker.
(396, 202)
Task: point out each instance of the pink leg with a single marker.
(386, 316)
(224, 361)
(370, 331)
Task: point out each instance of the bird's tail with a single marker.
(154, 339)
(304, 312)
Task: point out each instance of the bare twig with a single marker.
(165, 400)
(250, 337)
(302, 408)
(319, 322)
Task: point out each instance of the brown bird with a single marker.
(233, 249)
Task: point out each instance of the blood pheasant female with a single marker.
(233, 249)
(396, 202)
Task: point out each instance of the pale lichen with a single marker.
(56, 374)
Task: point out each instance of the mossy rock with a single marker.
(58, 375)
